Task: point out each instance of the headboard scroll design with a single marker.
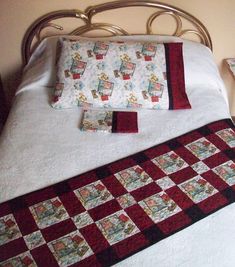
(33, 35)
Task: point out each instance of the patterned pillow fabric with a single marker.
(114, 74)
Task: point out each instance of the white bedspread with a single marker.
(40, 146)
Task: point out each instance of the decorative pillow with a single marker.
(111, 74)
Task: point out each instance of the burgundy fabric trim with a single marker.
(125, 122)
(178, 98)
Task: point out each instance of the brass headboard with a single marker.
(33, 35)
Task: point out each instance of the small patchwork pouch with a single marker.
(109, 121)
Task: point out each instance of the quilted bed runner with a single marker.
(105, 215)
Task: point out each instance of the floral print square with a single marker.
(200, 167)
(117, 227)
(48, 212)
(34, 240)
(228, 136)
(126, 200)
(83, 219)
(226, 171)
(133, 178)
(170, 162)
(9, 229)
(70, 249)
(197, 189)
(165, 183)
(159, 207)
(93, 195)
(22, 260)
(202, 148)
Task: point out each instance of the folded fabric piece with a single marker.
(125, 122)
(109, 121)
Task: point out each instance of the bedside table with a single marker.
(231, 64)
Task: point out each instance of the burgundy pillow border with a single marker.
(178, 98)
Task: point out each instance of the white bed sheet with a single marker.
(40, 146)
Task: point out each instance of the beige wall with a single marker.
(17, 15)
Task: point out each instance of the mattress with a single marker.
(40, 146)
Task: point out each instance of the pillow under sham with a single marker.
(126, 74)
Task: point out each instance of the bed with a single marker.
(41, 146)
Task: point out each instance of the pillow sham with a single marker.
(199, 66)
(120, 74)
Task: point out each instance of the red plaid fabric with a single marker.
(108, 214)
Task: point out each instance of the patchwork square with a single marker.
(9, 229)
(197, 189)
(93, 195)
(159, 207)
(117, 227)
(226, 171)
(200, 167)
(202, 148)
(165, 183)
(34, 240)
(83, 219)
(228, 136)
(70, 249)
(22, 260)
(48, 212)
(126, 200)
(133, 178)
(170, 162)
